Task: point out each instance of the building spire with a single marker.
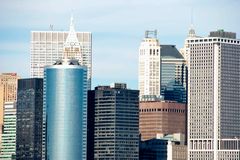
(72, 24)
(71, 46)
(191, 32)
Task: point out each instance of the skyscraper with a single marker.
(173, 74)
(29, 119)
(48, 46)
(116, 131)
(66, 100)
(162, 70)
(149, 65)
(214, 97)
(65, 105)
(8, 149)
(90, 124)
(8, 93)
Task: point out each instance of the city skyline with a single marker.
(115, 37)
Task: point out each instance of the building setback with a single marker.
(161, 117)
(116, 131)
(214, 97)
(29, 119)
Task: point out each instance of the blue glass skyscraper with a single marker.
(65, 104)
(65, 88)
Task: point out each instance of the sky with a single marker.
(117, 28)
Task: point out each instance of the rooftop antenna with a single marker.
(191, 32)
(151, 33)
(191, 17)
(51, 27)
(72, 25)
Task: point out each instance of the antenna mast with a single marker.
(51, 27)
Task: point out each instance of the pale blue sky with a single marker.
(117, 26)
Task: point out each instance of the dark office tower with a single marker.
(116, 129)
(29, 119)
(90, 124)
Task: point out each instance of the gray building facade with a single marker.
(214, 97)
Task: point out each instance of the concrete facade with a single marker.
(214, 97)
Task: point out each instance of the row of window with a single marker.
(214, 40)
(162, 110)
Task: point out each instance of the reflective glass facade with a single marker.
(65, 88)
(173, 74)
(29, 119)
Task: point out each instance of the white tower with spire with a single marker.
(49, 46)
(72, 48)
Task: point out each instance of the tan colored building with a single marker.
(9, 82)
(161, 117)
(177, 152)
(8, 92)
